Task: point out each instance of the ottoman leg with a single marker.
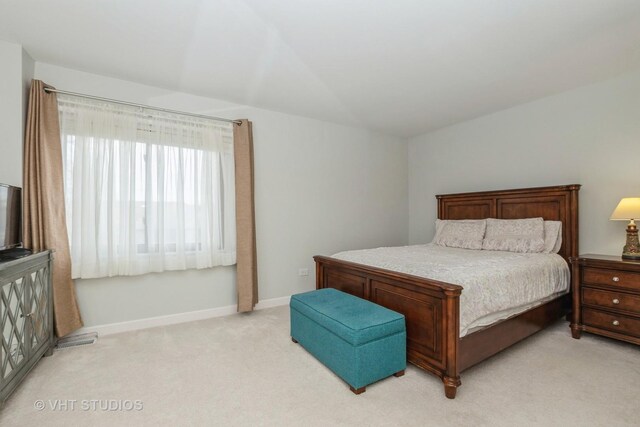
(294, 340)
(358, 390)
(399, 373)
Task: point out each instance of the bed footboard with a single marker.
(431, 310)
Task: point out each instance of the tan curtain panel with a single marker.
(44, 225)
(247, 268)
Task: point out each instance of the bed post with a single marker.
(319, 277)
(574, 249)
(451, 378)
(574, 262)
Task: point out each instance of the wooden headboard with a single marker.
(551, 203)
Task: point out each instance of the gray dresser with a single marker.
(26, 318)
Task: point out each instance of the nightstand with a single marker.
(606, 297)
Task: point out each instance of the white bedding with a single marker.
(497, 284)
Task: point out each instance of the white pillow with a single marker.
(439, 224)
(465, 233)
(514, 235)
(552, 237)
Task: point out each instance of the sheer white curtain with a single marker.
(145, 191)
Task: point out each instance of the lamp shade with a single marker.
(628, 208)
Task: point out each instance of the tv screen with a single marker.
(10, 217)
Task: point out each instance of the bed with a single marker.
(432, 307)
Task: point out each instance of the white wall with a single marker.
(588, 136)
(28, 70)
(15, 67)
(320, 188)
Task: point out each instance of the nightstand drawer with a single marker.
(611, 299)
(611, 322)
(617, 278)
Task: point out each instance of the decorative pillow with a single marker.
(552, 237)
(514, 235)
(466, 233)
(439, 224)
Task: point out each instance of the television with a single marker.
(10, 217)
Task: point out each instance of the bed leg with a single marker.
(451, 386)
(451, 315)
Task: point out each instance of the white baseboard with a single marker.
(271, 302)
(172, 319)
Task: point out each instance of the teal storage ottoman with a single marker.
(358, 340)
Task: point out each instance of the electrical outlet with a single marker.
(303, 272)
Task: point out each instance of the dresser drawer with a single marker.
(619, 279)
(612, 322)
(611, 299)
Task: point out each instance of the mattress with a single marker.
(497, 285)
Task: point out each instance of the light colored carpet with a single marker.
(244, 370)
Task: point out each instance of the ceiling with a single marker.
(403, 67)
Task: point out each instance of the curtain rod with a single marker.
(132, 104)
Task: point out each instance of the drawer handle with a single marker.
(616, 301)
(26, 315)
(616, 323)
(616, 279)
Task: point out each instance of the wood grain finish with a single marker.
(621, 301)
(619, 279)
(480, 345)
(348, 282)
(606, 297)
(357, 390)
(551, 203)
(432, 308)
(610, 321)
(421, 309)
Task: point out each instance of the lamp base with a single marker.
(632, 249)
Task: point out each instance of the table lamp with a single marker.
(629, 209)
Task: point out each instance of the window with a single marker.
(145, 190)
